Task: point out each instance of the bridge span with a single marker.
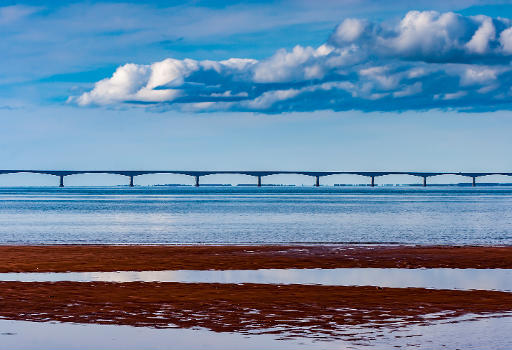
(131, 174)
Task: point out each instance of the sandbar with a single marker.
(91, 258)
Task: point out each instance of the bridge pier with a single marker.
(424, 181)
(131, 180)
(474, 181)
(61, 180)
(373, 181)
(317, 181)
(259, 181)
(196, 181)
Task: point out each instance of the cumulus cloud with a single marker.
(426, 60)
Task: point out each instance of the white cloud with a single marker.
(410, 90)
(10, 14)
(431, 36)
(229, 93)
(124, 85)
(425, 35)
(382, 76)
(268, 98)
(482, 38)
(416, 72)
(299, 64)
(479, 75)
(506, 41)
(170, 72)
(454, 95)
(427, 60)
(350, 30)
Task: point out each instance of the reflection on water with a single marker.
(26, 335)
(439, 278)
(434, 215)
(470, 332)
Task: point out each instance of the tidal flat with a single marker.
(341, 295)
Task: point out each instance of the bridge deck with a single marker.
(249, 172)
(259, 174)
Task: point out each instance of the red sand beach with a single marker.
(286, 310)
(61, 258)
(257, 308)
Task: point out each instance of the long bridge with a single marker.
(131, 174)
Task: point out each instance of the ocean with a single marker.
(244, 214)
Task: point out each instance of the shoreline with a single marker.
(286, 311)
(109, 258)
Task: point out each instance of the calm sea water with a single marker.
(181, 215)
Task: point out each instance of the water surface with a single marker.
(469, 332)
(439, 278)
(230, 215)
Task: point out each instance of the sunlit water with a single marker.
(174, 215)
(441, 278)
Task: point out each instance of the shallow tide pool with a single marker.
(468, 332)
(438, 278)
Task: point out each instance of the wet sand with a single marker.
(62, 258)
(284, 310)
(314, 311)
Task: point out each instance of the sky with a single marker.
(259, 85)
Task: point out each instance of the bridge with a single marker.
(131, 174)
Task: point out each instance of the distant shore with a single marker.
(61, 258)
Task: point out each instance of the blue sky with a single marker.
(342, 85)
